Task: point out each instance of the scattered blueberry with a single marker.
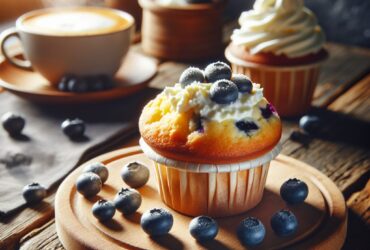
(127, 201)
(243, 83)
(191, 75)
(82, 84)
(267, 111)
(310, 123)
(88, 184)
(300, 137)
(73, 128)
(135, 174)
(203, 228)
(34, 193)
(217, 71)
(13, 123)
(63, 83)
(294, 191)
(223, 92)
(77, 84)
(246, 126)
(284, 223)
(251, 231)
(107, 80)
(95, 83)
(156, 222)
(99, 169)
(103, 210)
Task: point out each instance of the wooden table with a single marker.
(342, 97)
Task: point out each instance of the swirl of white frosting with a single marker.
(280, 27)
(196, 96)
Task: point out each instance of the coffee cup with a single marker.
(80, 41)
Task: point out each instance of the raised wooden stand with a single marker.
(322, 218)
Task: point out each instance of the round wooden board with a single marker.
(322, 218)
(133, 75)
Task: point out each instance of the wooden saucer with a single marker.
(134, 75)
(322, 218)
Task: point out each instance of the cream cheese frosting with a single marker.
(196, 96)
(282, 27)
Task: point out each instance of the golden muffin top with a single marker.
(211, 116)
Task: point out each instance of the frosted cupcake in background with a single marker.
(280, 45)
(211, 137)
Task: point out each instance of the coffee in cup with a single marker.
(78, 41)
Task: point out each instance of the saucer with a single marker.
(32, 86)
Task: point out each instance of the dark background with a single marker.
(344, 21)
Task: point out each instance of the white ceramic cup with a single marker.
(54, 55)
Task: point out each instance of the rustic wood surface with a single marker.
(341, 151)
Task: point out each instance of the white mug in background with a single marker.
(96, 46)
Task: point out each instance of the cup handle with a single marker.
(5, 35)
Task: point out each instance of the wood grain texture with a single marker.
(359, 203)
(44, 237)
(342, 162)
(12, 229)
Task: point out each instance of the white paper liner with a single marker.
(209, 168)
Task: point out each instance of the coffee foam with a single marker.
(80, 21)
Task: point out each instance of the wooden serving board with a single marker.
(322, 218)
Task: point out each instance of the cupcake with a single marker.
(182, 29)
(280, 46)
(211, 137)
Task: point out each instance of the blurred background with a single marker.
(344, 21)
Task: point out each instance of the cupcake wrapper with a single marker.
(214, 190)
(213, 194)
(209, 168)
(289, 88)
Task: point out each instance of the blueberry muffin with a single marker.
(226, 120)
(209, 129)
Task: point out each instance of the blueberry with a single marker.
(310, 123)
(156, 221)
(284, 223)
(13, 123)
(251, 231)
(99, 169)
(63, 83)
(203, 228)
(294, 191)
(77, 84)
(267, 111)
(217, 71)
(88, 184)
(223, 92)
(103, 210)
(300, 137)
(247, 127)
(135, 174)
(191, 75)
(127, 201)
(34, 193)
(95, 83)
(243, 83)
(73, 128)
(107, 81)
